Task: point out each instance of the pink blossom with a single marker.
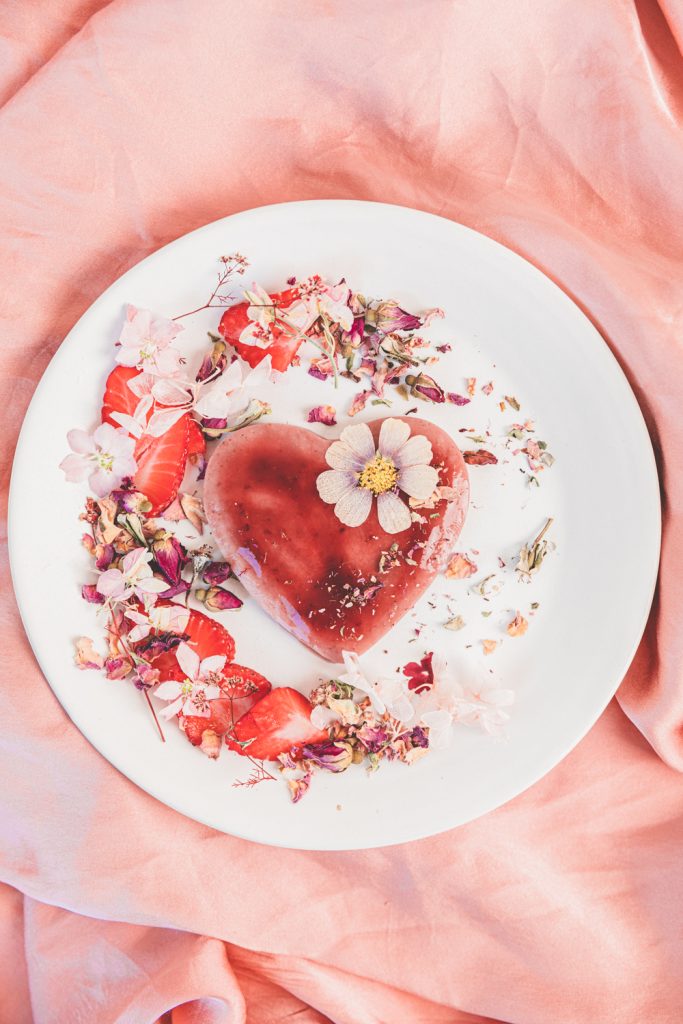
(133, 579)
(105, 457)
(145, 343)
(160, 618)
(198, 689)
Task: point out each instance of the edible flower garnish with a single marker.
(198, 689)
(105, 457)
(360, 473)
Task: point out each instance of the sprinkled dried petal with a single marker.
(489, 646)
(480, 457)
(85, 654)
(326, 414)
(471, 386)
(460, 567)
(518, 626)
(456, 623)
(456, 399)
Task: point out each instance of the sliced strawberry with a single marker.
(278, 722)
(196, 441)
(117, 395)
(206, 636)
(284, 346)
(161, 464)
(243, 688)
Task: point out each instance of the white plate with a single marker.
(508, 323)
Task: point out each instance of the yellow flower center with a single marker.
(379, 475)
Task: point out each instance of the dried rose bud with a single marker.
(216, 573)
(217, 599)
(118, 667)
(425, 387)
(335, 757)
(91, 594)
(88, 543)
(211, 744)
(169, 555)
(388, 316)
(216, 360)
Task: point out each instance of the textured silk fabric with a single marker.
(554, 127)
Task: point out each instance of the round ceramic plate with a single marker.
(507, 324)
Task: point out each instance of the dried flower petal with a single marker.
(456, 399)
(489, 646)
(531, 556)
(85, 655)
(456, 623)
(518, 626)
(326, 414)
(91, 594)
(460, 567)
(420, 674)
(480, 457)
(471, 386)
(334, 757)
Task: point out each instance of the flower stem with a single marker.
(154, 716)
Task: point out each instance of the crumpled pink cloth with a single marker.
(553, 127)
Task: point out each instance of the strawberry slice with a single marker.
(196, 441)
(243, 688)
(117, 395)
(278, 722)
(283, 348)
(161, 464)
(205, 636)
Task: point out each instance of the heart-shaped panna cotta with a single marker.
(333, 586)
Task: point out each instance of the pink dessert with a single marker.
(332, 586)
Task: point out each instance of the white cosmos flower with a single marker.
(359, 473)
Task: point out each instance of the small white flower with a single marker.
(145, 343)
(386, 695)
(227, 396)
(359, 473)
(105, 457)
(198, 689)
(163, 618)
(134, 579)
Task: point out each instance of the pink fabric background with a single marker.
(555, 128)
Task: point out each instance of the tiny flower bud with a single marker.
(335, 757)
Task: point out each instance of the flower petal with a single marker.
(359, 439)
(393, 514)
(353, 508)
(188, 660)
(81, 442)
(75, 468)
(214, 663)
(416, 451)
(172, 709)
(333, 485)
(341, 456)
(418, 481)
(439, 725)
(102, 482)
(111, 583)
(168, 690)
(393, 434)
